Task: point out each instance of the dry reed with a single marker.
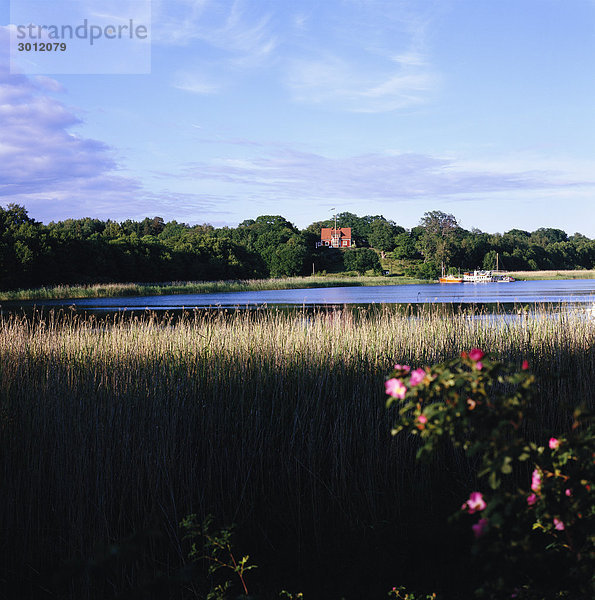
(275, 419)
(116, 290)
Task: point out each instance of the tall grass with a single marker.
(272, 420)
(554, 274)
(112, 290)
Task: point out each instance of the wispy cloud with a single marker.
(196, 83)
(237, 38)
(349, 86)
(53, 171)
(38, 152)
(289, 174)
(374, 60)
(227, 25)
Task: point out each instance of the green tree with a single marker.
(437, 239)
(489, 260)
(288, 258)
(405, 247)
(361, 260)
(382, 234)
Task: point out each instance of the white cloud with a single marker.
(54, 172)
(373, 60)
(351, 87)
(289, 174)
(226, 25)
(235, 39)
(38, 150)
(196, 83)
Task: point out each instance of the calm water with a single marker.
(521, 292)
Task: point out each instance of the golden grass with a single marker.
(269, 418)
(111, 290)
(554, 274)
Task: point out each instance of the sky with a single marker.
(484, 109)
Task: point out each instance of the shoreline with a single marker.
(115, 290)
(552, 274)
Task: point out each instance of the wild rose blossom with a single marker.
(421, 421)
(479, 365)
(536, 481)
(559, 525)
(475, 503)
(471, 404)
(554, 443)
(404, 368)
(568, 492)
(479, 527)
(417, 377)
(395, 388)
(525, 365)
(531, 499)
(476, 354)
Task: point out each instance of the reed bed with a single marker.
(272, 420)
(113, 290)
(554, 274)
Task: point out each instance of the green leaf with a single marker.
(494, 480)
(506, 466)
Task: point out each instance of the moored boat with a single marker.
(450, 279)
(478, 277)
(501, 277)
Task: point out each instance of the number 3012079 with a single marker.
(41, 46)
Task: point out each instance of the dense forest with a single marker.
(34, 254)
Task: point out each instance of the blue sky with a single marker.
(480, 108)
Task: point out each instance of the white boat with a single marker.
(478, 277)
(501, 277)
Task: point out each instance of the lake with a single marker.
(573, 291)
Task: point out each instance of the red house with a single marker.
(335, 238)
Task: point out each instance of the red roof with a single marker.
(327, 233)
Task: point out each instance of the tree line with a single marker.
(89, 250)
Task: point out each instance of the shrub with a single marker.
(531, 515)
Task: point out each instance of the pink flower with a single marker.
(531, 499)
(479, 365)
(476, 354)
(417, 376)
(404, 368)
(554, 443)
(559, 525)
(395, 388)
(421, 421)
(525, 365)
(479, 527)
(536, 481)
(475, 503)
(568, 492)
